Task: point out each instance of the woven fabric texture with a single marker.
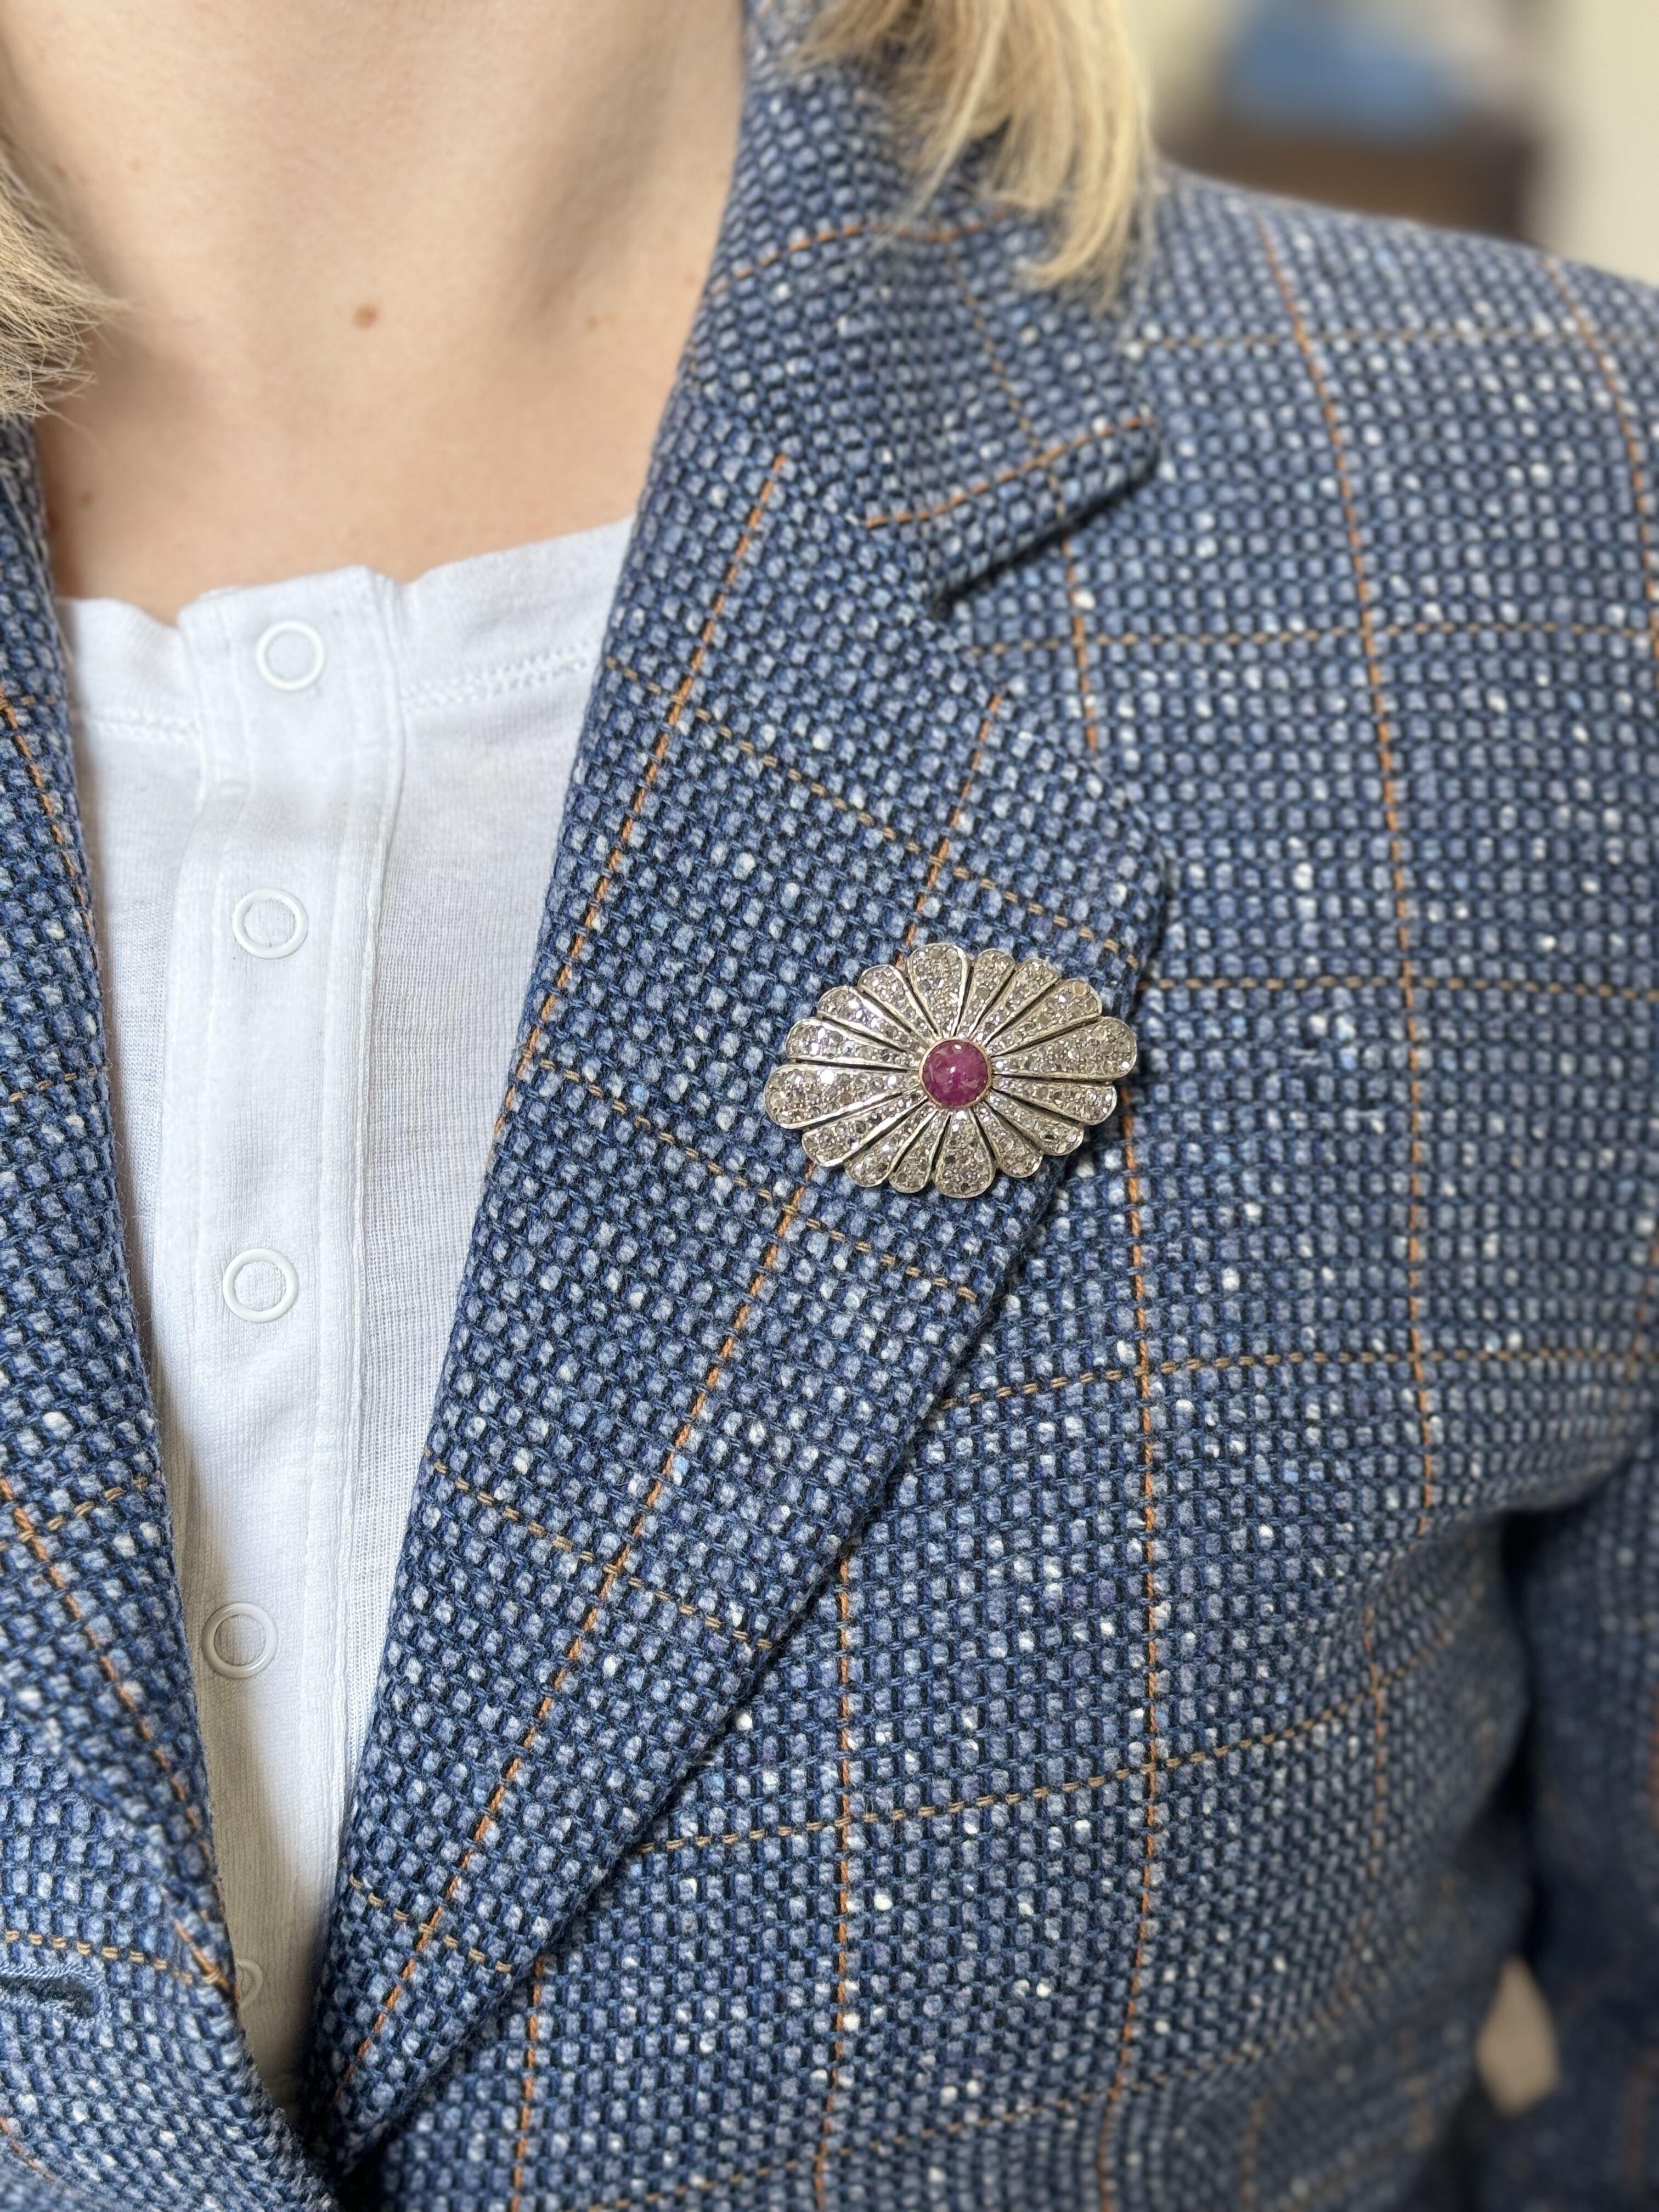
(1060, 1700)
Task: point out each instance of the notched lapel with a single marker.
(684, 1369)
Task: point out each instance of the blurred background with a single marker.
(1531, 118)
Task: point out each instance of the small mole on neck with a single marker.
(368, 313)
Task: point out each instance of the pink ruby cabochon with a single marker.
(955, 1073)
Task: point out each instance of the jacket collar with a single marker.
(682, 1376)
(965, 416)
(683, 1373)
(678, 1380)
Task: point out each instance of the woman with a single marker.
(947, 1645)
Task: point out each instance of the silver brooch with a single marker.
(948, 1066)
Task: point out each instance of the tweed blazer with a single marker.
(1059, 1699)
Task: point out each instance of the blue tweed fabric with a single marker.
(1059, 1700)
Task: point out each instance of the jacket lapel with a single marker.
(93, 1666)
(682, 1369)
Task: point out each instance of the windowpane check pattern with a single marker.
(1004, 1705)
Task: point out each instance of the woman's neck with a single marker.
(403, 280)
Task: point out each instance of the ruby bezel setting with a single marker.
(956, 1074)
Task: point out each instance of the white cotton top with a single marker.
(321, 818)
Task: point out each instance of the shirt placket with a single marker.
(257, 1301)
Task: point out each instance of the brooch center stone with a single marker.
(955, 1073)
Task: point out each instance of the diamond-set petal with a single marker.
(877, 1162)
(1054, 1133)
(965, 1167)
(937, 976)
(1086, 1102)
(1082, 1056)
(1066, 1006)
(1032, 1064)
(828, 1042)
(850, 1009)
(1015, 1154)
(1031, 980)
(986, 987)
(803, 1092)
(832, 1143)
(885, 987)
(913, 1171)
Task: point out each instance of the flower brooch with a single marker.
(946, 1066)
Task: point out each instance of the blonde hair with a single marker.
(46, 305)
(1046, 89)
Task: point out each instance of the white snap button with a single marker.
(238, 1640)
(250, 1981)
(259, 1261)
(269, 936)
(289, 655)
